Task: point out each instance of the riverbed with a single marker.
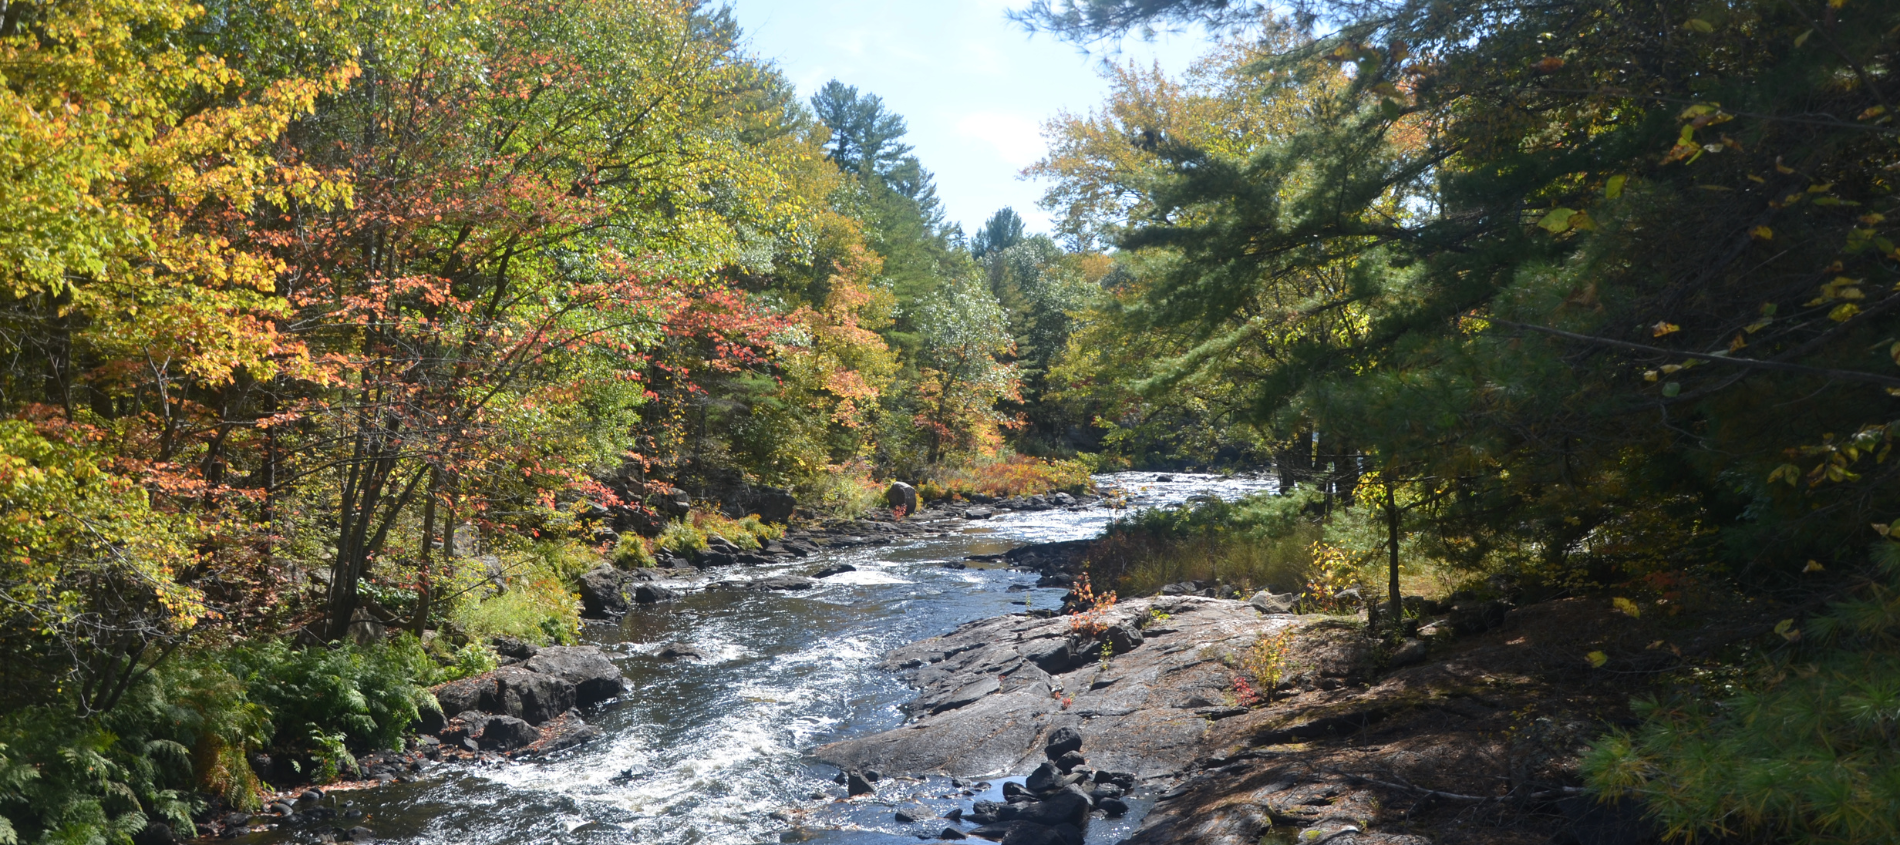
(714, 751)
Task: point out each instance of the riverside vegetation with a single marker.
(343, 338)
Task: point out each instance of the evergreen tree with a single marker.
(1003, 230)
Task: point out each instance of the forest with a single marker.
(340, 338)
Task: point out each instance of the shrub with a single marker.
(681, 536)
(1016, 475)
(538, 608)
(632, 552)
(843, 492)
(1805, 752)
(328, 701)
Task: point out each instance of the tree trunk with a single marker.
(1392, 515)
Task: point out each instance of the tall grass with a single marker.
(1259, 542)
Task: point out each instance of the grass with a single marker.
(538, 608)
(1140, 565)
(845, 491)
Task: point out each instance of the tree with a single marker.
(1003, 230)
(864, 136)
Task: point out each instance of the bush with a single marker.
(1017, 475)
(631, 552)
(1805, 752)
(683, 537)
(537, 607)
(845, 492)
(328, 702)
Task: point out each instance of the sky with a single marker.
(974, 88)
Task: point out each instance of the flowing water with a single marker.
(707, 752)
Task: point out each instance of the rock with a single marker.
(603, 592)
(1122, 638)
(855, 785)
(1061, 808)
(1473, 617)
(1124, 780)
(1044, 778)
(801, 548)
(653, 594)
(1018, 832)
(595, 678)
(903, 817)
(566, 732)
(507, 733)
(773, 504)
(360, 834)
(1112, 807)
(716, 557)
(1270, 602)
(952, 833)
(1014, 792)
(675, 503)
(281, 808)
(237, 819)
(1409, 653)
(979, 513)
(531, 696)
(1164, 478)
(1062, 741)
(517, 649)
(834, 569)
(901, 495)
(1181, 588)
(1062, 500)
(1069, 761)
(680, 651)
(430, 720)
(311, 795)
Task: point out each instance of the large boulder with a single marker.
(653, 594)
(507, 733)
(675, 503)
(604, 592)
(773, 505)
(1267, 601)
(901, 495)
(594, 677)
(527, 695)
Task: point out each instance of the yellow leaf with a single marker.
(1802, 38)
(1699, 25)
(1614, 188)
(1671, 369)
(1894, 351)
(1597, 659)
(1873, 218)
(1627, 607)
(1880, 528)
(1843, 312)
(1663, 328)
(1738, 343)
(1650, 375)
(1762, 233)
(1653, 646)
(1788, 631)
(1813, 566)
(1558, 220)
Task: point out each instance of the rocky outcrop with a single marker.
(594, 677)
(526, 708)
(509, 691)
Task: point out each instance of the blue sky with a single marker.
(974, 88)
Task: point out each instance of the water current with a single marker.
(708, 752)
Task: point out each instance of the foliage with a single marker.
(1803, 753)
(343, 696)
(1268, 660)
(632, 551)
(1258, 542)
(1087, 608)
(1007, 477)
(536, 607)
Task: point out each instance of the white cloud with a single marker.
(1017, 138)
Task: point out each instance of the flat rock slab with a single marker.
(992, 691)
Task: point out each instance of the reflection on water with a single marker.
(706, 752)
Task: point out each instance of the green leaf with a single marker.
(1627, 607)
(1614, 188)
(1597, 659)
(1672, 389)
(1699, 25)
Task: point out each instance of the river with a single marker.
(707, 752)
